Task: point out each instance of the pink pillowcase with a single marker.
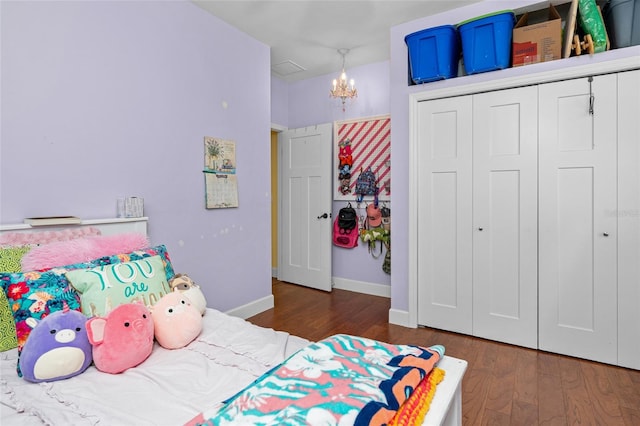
(81, 250)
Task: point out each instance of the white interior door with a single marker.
(444, 153)
(577, 223)
(505, 214)
(305, 224)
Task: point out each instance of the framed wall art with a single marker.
(362, 144)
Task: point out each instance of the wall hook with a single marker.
(592, 98)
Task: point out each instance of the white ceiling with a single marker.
(305, 36)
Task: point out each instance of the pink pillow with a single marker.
(81, 250)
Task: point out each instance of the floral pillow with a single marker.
(37, 294)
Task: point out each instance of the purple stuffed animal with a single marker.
(57, 348)
(122, 339)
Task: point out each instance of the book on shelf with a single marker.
(52, 220)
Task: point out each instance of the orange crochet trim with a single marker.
(413, 411)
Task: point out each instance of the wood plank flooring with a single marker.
(503, 385)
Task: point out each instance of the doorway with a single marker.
(301, 205)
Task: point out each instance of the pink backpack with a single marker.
(342, 237)
(345, 228)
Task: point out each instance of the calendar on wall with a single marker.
(222, 190)
(220, 179)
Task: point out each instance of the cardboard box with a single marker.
(540, 42)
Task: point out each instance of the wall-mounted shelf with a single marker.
(610, 61)
(107, 226)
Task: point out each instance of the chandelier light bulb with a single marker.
(342, 87)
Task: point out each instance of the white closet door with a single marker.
(629, 219)
(444, 212)
(505, 216)
(577, 223)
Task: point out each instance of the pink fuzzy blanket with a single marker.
(46, 237)
(81, 250)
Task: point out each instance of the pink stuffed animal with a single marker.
(122, 339)
(176, 321)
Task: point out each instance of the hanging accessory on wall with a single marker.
(345, 228)
(373, 230)
(345, 163)
(386, 263)
(372, 236)
(386, 217)
(367, 184)
(340, 88)
(386, 225)
(374, 216)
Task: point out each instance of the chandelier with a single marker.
(341, 89)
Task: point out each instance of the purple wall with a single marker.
(279, 102)
(309, 104)
(105, 99)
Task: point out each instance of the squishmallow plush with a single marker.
(183, 283)
(176, 321)
(57, 348)
(122, 339)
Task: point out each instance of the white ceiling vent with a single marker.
(286, 68)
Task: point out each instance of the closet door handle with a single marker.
(480, 229)
(323, 216)
(606, 234)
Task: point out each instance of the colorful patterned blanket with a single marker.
(341, 380)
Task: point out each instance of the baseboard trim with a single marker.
(362, 287)
(253, 308)
(274, 272)
(398, 317)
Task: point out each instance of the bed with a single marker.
(197, 383)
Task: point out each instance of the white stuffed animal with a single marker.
(184, 284)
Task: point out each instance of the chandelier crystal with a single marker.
(340, 87)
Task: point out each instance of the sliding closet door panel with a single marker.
(577, 235)
(505, 141)
(629, 219)
(443, 224)
(444, 211)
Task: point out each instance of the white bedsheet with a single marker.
(169, 388)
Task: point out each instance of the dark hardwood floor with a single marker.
(503, 385)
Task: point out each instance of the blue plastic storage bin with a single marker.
(433, 53)
(622, 18)
(486, 42)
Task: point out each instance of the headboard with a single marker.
(108, 226)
